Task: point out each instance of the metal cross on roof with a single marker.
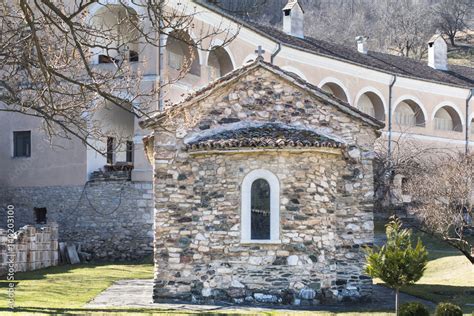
(260, 51)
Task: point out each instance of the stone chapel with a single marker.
(263, 193)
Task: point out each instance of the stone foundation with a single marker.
(112, 220)
(31, 248)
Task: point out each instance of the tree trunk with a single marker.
(451, 39)
(397, 292)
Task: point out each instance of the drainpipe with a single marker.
(471, 93)
(390, 88)
(161, 49)
(272, 58)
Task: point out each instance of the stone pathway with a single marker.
(138, 294)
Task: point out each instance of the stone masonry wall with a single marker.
(112, 220)
(326, 214)
(198, 232)
(30, 249)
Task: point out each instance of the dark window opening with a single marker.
(110, 150)
(287, 12)
(40, 215)
(104, 59)
(22, 144)
(133, 56)
(129, 151)
(405, 189)
(260, 210)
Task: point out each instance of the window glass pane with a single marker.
(22, 144)
(110, 150)
(129, 151)
(260, 209)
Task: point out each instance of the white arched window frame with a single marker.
(274, 206)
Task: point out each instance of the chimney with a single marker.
(293, 19)
(361, 44)
(438, 53)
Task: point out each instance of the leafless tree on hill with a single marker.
(404, 27)
(451, 17)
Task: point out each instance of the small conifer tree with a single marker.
(397, 263)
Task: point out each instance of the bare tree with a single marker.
(439, 184)
(48, 48)
(403, 158)
(442, 189)
(404, 27)
(450, 17)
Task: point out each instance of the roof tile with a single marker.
(270, 135)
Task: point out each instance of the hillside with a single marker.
(340, 21)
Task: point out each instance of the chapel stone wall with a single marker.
(198, 232)
(326, 202)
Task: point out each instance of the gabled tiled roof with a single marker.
(460, 76)
(270, 135)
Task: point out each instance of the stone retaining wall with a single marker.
(31, 248)
(112, 220)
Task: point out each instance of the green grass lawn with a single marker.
(69, 286)
(449, 276)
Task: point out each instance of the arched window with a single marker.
(370, 103)
(119, 39)
(447, 119)
(260, 217)
(219, 63)
(409, 113)
(335, 90)
(182, 53)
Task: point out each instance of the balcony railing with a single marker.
(405, 119)
(443, 124)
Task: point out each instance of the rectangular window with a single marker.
(40, 215)
(22, 144)
(129, 151)
(133, 56)
(110, 150)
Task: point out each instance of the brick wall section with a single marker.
(32, 248)
(102, 229)
(326, 203)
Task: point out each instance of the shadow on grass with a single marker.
(436, 247)
(460, 295)
(67, 268)
(186, 310)
(108, 311)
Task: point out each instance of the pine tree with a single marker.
(397, 263)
